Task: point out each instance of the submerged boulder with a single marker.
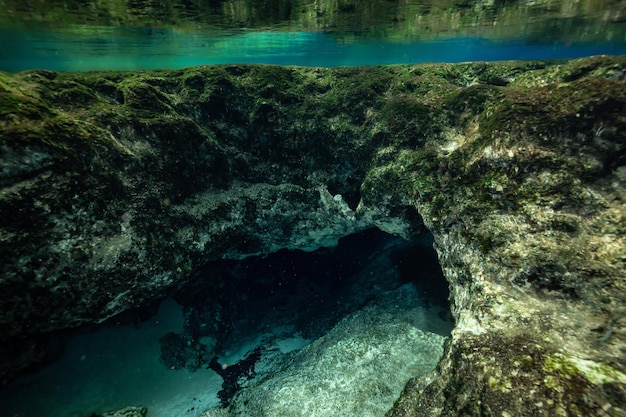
(127, 412)
(357, 369)
(115, 187)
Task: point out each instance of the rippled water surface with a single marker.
(88, 35)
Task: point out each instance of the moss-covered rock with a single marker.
(117, 186)
(527, 381)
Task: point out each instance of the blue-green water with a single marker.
(79, 35)
(134, 49)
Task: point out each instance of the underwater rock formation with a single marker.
(357, 369)
(127, 412)
(115, 187)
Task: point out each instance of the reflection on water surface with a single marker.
(132, 34)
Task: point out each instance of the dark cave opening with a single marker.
(349, 189)
(233, 322)
(256, 301)
(327, 283)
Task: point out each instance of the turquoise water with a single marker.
(133, 49)
(81, 35)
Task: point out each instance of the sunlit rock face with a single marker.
(117, 186)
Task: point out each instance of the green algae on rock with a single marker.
(117, 186)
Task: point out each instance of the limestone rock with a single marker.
(358, 368)
(127, 412)
(115, 187)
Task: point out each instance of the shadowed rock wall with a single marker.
(116, 186)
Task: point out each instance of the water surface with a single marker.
(81, 35)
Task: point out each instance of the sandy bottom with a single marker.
(119, 366)
(111, 368)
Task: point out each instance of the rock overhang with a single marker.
(145, 176)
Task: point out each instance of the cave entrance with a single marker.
(374, 308)
(243, 317)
